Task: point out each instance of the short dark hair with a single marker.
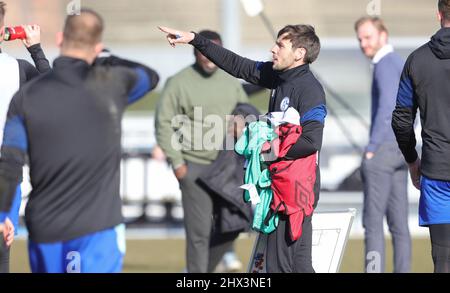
(83, 30)
(303, 36)
(2, 10)
(444, 9)
(211, 35)
(376, 21)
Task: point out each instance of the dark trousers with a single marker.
(4, 257)
(287, 256)
(203, 252)
(385, 194)
(440, 245)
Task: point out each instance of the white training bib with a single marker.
(9, 85)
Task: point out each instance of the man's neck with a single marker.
(386, 49)
(78, 54)
(445, 24)
(295, 65)
(204, 73)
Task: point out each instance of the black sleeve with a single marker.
(26, 71)
(106, 59)
(251, 89)
(310, 142)
(313, 111)
(260, 73)
(39, 59)
(404, 116)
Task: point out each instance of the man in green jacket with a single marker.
(190, 127)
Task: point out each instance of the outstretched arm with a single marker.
(259, 73)
(175, 37)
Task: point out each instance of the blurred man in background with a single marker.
(197, 91)
(384, 173)
(13, 74)
(69, 123)
(425, 86)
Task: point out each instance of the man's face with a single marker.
(207, 66)
(283, 56)
(371, 40)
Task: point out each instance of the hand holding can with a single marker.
(33, 35)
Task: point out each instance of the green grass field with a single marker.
(167, 256)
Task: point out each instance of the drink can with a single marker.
(14, 33)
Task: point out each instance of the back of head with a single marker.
(444, 10)
(303, 36)
(83, 31)
(376, 21)
(2, 13)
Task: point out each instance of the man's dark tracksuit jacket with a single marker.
(424, 84)
(68, 122)
(297, 88)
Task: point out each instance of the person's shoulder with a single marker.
(311, 91)
(419, 59)
(110, 70)
(184, 73)
(391, 57)
(313, 83)
(392, 62)
(24, 63)
(33, 88)
(37, 82)
(227, 78)
(420, 52)
(112, 75)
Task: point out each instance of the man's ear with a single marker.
(300, 54)
(384, 37)
(439, 16)
(59, 39)
(99, 48)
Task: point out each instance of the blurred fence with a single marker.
(149, 190)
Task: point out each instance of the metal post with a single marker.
(231, 24)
